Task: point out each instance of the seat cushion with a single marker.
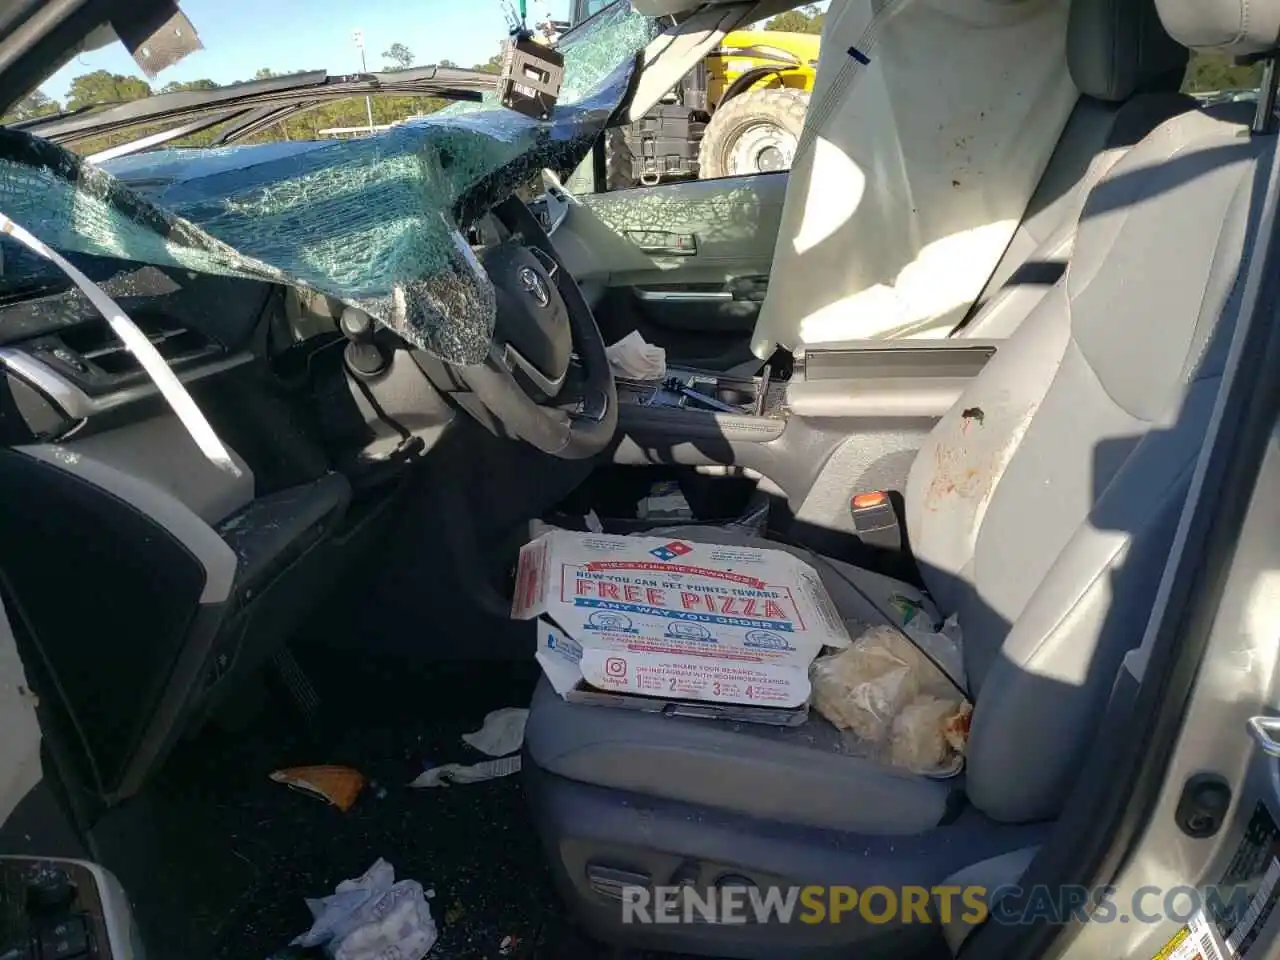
(796, 775)
(806, 775)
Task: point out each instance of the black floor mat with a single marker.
(218, 858)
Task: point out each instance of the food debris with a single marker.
(508, 946)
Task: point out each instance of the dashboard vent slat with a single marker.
(97, 344)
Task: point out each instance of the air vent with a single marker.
(97, 344)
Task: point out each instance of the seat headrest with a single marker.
(1117, 48)
(1235, 27)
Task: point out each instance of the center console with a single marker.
(701, 391)
(691, 405)
(63, 910)
(870, 403)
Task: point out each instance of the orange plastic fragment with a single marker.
(338, 785)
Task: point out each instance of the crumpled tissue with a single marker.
(635, 358)
(372, 918)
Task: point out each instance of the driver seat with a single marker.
(1042, 511)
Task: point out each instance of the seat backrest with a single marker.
(1097, 135)
(1128, 71)
(1043, 506)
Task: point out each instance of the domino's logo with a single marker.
(671, 551)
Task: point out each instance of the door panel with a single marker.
(704, 232)
(686, 264)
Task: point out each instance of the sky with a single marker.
(242, 36)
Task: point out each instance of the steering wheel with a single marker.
(546, 380)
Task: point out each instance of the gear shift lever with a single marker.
(363, 357)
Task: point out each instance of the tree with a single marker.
(447, 63)
(1210, 72)
(492, 65)
(264, 73)
(34, 104)
(182, 86)
(807, 19)
(102, 86)
(399, 55)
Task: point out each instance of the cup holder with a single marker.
(738, 398)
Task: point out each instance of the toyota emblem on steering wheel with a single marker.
(535, 286)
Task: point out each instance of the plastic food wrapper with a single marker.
(373, 222)
(340, 786)
(862, 689)
(372, 918)
(635, 358)
(894, 697)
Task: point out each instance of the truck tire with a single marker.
(755, 132)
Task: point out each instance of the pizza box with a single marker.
(674, 625)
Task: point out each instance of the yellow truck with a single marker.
(738, 112)
(757, 85)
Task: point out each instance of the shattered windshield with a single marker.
(373, 222)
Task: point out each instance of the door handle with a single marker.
(661, 243)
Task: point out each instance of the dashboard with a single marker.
(63, 364)
(226, 566)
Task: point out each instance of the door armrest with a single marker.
(885, 378)
(894, 359)
(885, 398)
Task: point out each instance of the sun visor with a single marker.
(374, 222)
(157, 37)
(930, 125)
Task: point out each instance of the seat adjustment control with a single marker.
(609, 882)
